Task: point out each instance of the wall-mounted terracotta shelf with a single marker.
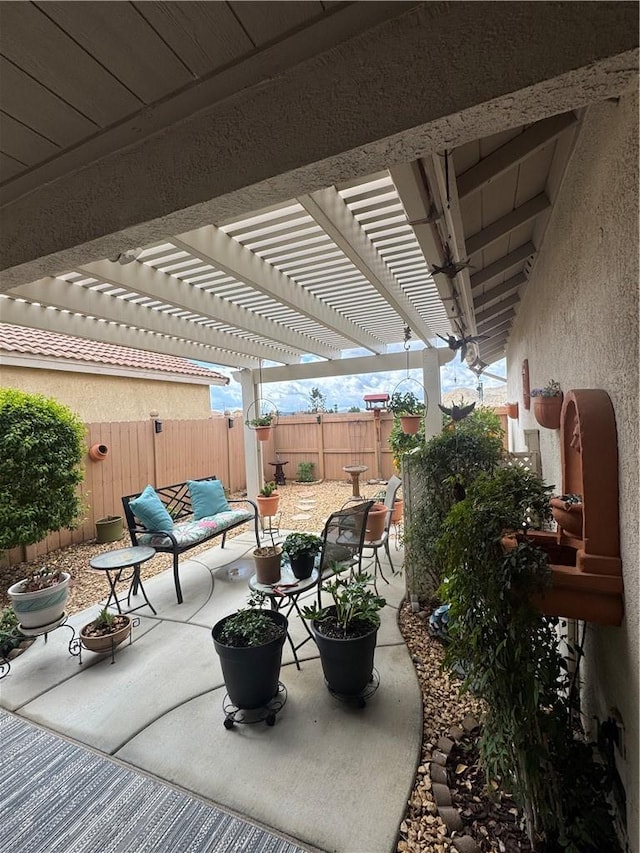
(584, 555)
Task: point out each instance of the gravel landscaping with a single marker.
(492, 824)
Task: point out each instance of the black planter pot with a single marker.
(251, 674)
(347, 664)
(302, 566)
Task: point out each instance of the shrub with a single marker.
(305, 472)
(41, 451)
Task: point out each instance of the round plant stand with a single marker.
(234, 715)
(44, 631)
(359, 699)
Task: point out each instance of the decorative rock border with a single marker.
(440, 790)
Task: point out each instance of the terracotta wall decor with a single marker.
(512, 411)
(584, 554)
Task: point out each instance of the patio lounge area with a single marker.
(158, 710)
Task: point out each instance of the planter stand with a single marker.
(45, 630)
(78, 644)
(360, 699)
(233, 714)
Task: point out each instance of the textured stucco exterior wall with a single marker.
(578, 323)
(100, 399)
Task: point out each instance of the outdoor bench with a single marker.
(181, 531)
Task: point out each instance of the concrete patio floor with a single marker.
(329, 776)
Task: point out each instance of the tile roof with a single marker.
(20, 339)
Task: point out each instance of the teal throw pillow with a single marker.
(207, 498)
(150, 510)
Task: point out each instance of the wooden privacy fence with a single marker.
(331, 441)
(138, 454)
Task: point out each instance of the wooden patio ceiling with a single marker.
(443, 245)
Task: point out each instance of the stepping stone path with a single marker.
(300, 517)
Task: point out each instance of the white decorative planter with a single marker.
(40, 608)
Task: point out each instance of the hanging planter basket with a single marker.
(407, 405)
(547, 411)
(262, 417)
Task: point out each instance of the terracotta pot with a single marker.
(263, 433)
(98, 452)
(512, 411)
(410, 423)
(375, 522)
(398, 509)
(547, 411)
(268, 564)
(268, 506)
(108, 642)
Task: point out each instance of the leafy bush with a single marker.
(305, 472)
(510, 656)
(446, 465)
(41, 451)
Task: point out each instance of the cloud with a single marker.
(347, 391)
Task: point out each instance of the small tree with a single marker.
(317, 401)
(41, 451)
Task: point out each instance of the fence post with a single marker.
(320, 433)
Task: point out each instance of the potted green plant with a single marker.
(262, 424)
(346, 633)
(268, 560)
(249, 643)
(106, 631)
(547, 404)
(268, 499)
(39, 599)
(408, 408)
(302, 549)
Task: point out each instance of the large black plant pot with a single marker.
(347, 664)
(251, 674)
(302, 566)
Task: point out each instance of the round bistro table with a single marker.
(113, 563)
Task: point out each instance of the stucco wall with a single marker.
(578, 323)
(97, 398)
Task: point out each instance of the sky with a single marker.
(348, 391)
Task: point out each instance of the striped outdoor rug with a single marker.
(56, 797)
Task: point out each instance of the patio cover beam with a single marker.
(503, 264)
(513, 152)
(20, 313)
(498, 308)
(351, 366)
(499, 290)
(66, 296)
(508, 223)
(328, 209)
(228, 255)
(147, 281)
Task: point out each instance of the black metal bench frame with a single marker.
(177, 500)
